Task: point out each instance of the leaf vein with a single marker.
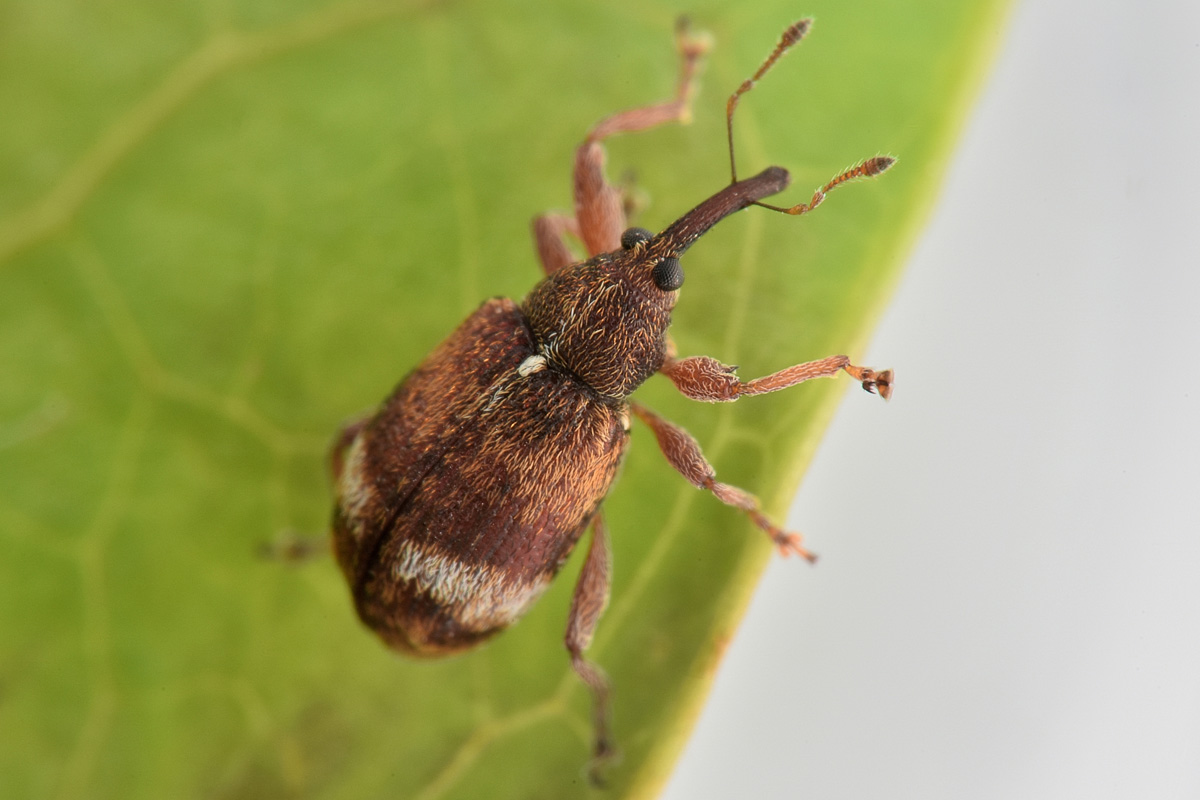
(154, 377)
(97, 635)
(222, 52)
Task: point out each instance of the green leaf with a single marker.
(226, 228)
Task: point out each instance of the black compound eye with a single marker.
(635, 236)
(668, 274)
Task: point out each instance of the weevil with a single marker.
(462, 497)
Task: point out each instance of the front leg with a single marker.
(704, 378)
(550, 237)
(598, 204)
(600, 207)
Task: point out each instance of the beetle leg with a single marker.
(549, 235)
(704, 378)
(599, 205)
(683, 453)
(292, 546)
(587, 604)
(550, 230)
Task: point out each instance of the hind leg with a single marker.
(587, 605)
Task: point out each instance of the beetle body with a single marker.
(462, 497)
(460, 500)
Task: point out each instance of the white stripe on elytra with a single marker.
(484, 595)
(354, 489)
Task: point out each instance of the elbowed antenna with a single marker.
(791, 37)
(680, 235)
(866, 169)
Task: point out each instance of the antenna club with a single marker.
(797, 31)
(878, 164)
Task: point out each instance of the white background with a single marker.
(1008, 601)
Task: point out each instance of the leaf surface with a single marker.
(225, 229)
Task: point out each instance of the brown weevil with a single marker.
(461, 498)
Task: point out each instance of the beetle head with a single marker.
(605, 319)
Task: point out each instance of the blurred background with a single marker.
(1007, 603)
